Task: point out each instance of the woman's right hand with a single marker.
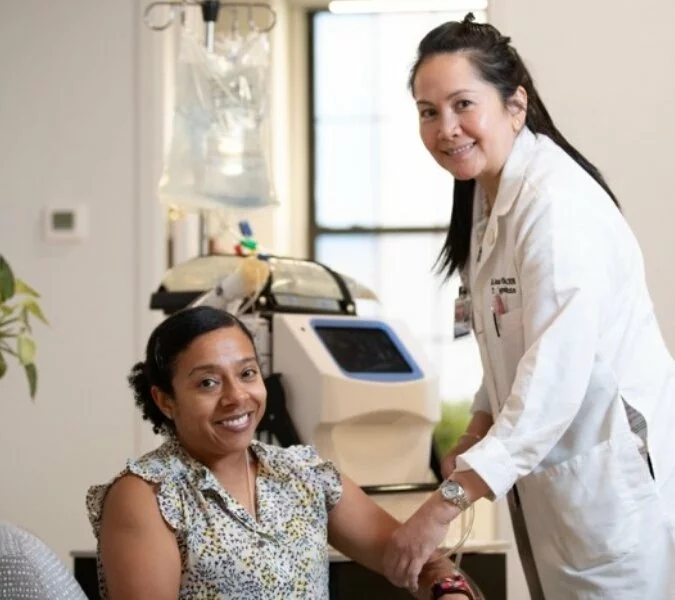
(449, 463)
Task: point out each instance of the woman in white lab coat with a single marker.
(574, 417)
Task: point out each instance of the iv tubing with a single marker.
(467, 518)
(467, 515)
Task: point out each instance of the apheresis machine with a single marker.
(358, 388)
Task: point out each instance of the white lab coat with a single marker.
(577, 337)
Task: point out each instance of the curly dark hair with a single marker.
(166, 342)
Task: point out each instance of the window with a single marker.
(379, 204)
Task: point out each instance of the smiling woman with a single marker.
(464, 124)
(212, 512)
(573, 420)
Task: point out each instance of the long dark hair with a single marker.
(497, 61)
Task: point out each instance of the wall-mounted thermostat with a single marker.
(66, 224)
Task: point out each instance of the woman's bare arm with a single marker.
(475, 431)
(360, 529)
(138, 550)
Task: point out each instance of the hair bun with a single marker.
(469, 18)
(140, 369)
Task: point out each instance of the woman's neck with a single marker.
(237, 473)
(231, 469)
(222, 464)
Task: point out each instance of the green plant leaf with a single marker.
(15, 323)
(26, 348)
(32, 376)
(33, 308)
(25, 321)
(8, 321)
(21, 287)
(7, 284)
(5, 348)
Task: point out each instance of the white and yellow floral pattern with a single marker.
(226, 553)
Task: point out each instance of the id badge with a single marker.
(462, 313)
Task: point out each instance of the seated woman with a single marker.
(213, 513)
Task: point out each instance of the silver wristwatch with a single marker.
(454, 493)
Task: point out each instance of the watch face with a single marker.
(449, 489)
(454, 493)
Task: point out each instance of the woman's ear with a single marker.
(163, 401)
(517, 108)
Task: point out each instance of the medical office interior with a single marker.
(86, 113)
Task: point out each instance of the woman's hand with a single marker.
(475, 431)
(413, 544)
(449, 463)
(438, 568)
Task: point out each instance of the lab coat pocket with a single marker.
(591, 516)
(511, 321)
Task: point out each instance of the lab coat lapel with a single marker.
(514, 170)
(510, 184)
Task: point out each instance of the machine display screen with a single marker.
(363, 350)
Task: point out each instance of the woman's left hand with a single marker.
(412, 544)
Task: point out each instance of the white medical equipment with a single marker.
(361, 391)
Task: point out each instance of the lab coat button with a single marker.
(491, 237)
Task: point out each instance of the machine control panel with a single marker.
(365, 349)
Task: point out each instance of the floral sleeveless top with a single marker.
(225, 553)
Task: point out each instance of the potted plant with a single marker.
(18, 306)
(455, 417)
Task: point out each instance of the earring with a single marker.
(516, 125)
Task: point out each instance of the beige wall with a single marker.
(70, 123)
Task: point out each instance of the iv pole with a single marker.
(210, 10)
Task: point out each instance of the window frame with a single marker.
(314, 229)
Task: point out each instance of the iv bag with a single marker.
(217, 157)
